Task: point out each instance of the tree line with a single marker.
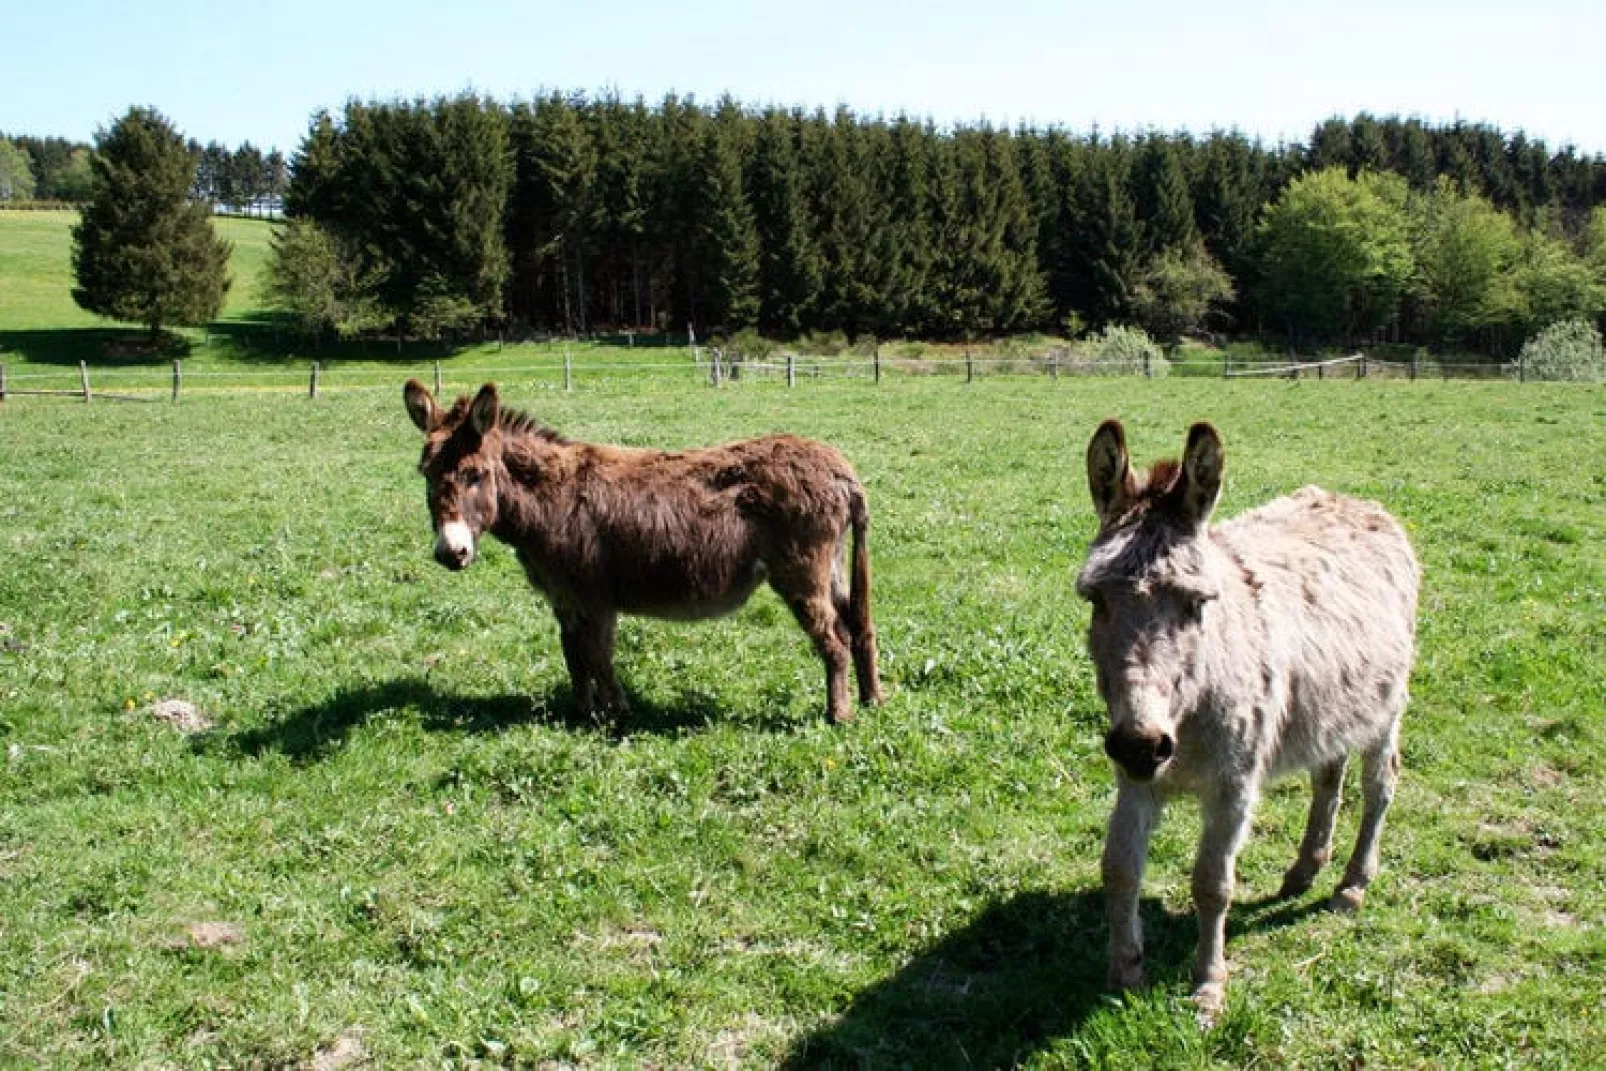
(58, 169)
(576, 214)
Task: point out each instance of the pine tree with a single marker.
(842, 204)
(1164, 202)
(1105, 227)
(142, 250)
(789, 267)
(726, 240)
(905, 239)
(554, 216)
(619, 132)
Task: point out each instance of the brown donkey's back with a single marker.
(690, 534)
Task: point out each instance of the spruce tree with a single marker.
(789, 267)
(1165, 204)
(142, 250)
(726, 240)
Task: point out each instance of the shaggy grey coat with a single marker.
(1279, 641)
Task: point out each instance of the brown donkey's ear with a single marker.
(1109, 472)
(421, 406)
(1203, 463)
(482, 414)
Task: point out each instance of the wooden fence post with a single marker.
(1415, 356)
(1148, 373)
(970, 372)
(568, 372)
(83, 376)
(875, 362)
(1522, 368)
(312, 390)
(2, 381)
(791, 370)
(1053, 364)
(437, 379)
(713, 366)
(178, 376)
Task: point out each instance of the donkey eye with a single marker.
(472, 478)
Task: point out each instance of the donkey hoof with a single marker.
(840, 717)
(1295, 884)
(1208, 1000)
(1347, 900)
(1128, 976)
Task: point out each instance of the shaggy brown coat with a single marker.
(1279, 641)
(603, 530)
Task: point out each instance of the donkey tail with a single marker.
(859, 625)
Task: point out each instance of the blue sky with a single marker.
(1268, 69)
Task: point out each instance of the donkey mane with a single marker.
(511, 422)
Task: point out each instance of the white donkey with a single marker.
(1228, 655)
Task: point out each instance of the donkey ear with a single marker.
(421, 406)
(1203, 463)
(482, 413)
(1109, 471)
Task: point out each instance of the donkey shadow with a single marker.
(1026, 973)
(312, 732)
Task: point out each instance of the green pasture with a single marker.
(395, 841)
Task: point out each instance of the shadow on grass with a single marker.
(1025, 974)
(100, 347)
(310, 733)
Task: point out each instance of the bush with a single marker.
(822, 343)
(1568, 350)
(1128, 346)
(749, 344)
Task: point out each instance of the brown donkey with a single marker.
(1276, 642)
(604, 530)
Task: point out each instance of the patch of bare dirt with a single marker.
(215, 934)
(347, 1050)
(181, 714)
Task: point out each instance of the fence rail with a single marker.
(716, 368)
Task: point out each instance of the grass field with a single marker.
(421, 856)
(396, 843)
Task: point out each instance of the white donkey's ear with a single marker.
(421, 406)
(482, 414)
(1203, 463)
(1109, 472)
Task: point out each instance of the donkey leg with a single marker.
(1326, 787)
(1226, 827)
(1126, 850)
(601, 657)
(807, 589)
(1380, 771)
(572, 633)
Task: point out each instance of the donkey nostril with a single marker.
(1165, 747)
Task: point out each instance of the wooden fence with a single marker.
(715, 366)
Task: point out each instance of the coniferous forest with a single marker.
(576, 215)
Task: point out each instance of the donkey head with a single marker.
(461, 467)
(1151, 581)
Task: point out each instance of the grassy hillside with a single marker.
(36, 270)
(395, 840)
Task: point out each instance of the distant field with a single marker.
(396, 842)
(36, 270)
